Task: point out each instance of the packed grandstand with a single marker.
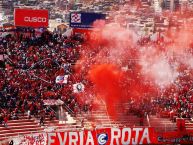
(102, 78)
(32, 64)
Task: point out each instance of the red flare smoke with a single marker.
(106, 80)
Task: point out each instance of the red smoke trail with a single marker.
(106, 79)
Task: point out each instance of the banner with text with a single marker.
(31, 18)
(109, 136)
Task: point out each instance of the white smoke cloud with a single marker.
(157, 67)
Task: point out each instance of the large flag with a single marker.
(62, 79)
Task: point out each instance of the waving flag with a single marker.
(78, 87)
(62, 79)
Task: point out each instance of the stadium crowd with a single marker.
(34, 62)
(30, 70)
(174, 101)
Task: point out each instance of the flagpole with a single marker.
(41, 79)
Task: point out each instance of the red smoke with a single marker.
(102, 63)
(115, 86)
(106, 82)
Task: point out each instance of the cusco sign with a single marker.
(31, 18)
(35, 19)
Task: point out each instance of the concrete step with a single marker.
(20, 130)
(18, 133)
(20, 121)
(23, 123)
(3, 138)
(16, 127)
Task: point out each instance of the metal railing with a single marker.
(68, 108)
(148, 120)
(51, 109)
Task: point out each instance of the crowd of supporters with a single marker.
(33, 63)
(177, 100)
(173, 101)
(31, 67)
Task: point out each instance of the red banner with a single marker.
(31, 18)
(108, 136)
(117, 136)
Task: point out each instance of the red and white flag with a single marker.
(62, 79)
